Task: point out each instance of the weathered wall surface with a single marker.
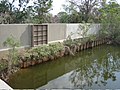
(74, 31)
(56, 32)
(22, 33)
(94, 29)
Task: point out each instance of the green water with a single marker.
(97, 68)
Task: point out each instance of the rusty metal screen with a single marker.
(39, 34)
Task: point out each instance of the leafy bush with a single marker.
(55, 47)
(42, 51)
(3, 66)
(91, 38)
(110, 21)
(47, 50)
(12, 43)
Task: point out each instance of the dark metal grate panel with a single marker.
(39, 34)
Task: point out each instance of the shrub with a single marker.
(42, 51)
(55, 47)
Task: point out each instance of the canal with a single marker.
(96, 68)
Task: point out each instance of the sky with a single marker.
(57, 6)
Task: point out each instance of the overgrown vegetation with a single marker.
(110, 22)
(83, 10)
(108, 16)
(81, 31)
(21, 11)
(38, 11)
(13, 53)
(43, 53)
(40, 52)
(3, 64)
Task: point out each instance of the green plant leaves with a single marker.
(47, 50)
(11, 42)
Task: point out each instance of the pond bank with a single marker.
(45, 53)
(102, 62)
(53, 51)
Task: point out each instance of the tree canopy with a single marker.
(24, 12)
(87, 10)
(110, 21)
(75, 11)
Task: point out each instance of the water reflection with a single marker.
(98, 71)
(94, 68)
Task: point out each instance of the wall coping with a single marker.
(4, 86)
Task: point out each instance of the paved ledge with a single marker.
(4, 86)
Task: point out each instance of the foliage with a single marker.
(24, 12)
(4, 9)
(41, 8)
(110, 19)
(69, 18)
(41, 51)
(13, 53)
(55, 47)
(27, 55)
(70, 42)
(47, 50)
(3, 65)
(92, 37)
(63, 17)
(87, 9)
(11, 14)
(82, 31)
(11, 42)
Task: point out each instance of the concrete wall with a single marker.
(73, 30)
(22, 33)
(59, 32)
(56, 32)
(94, 29)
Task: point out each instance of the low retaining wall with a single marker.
(74, 48)
(31, 60)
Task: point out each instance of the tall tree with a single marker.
(41, 8)
(110, 20)
(63, 17)
(23, 12)
(11, 14)
(4, 11)
(85, 7)
(20, 12)
(73, 17)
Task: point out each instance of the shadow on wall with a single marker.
(21, 32)
(25, 39)
(94, 29)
